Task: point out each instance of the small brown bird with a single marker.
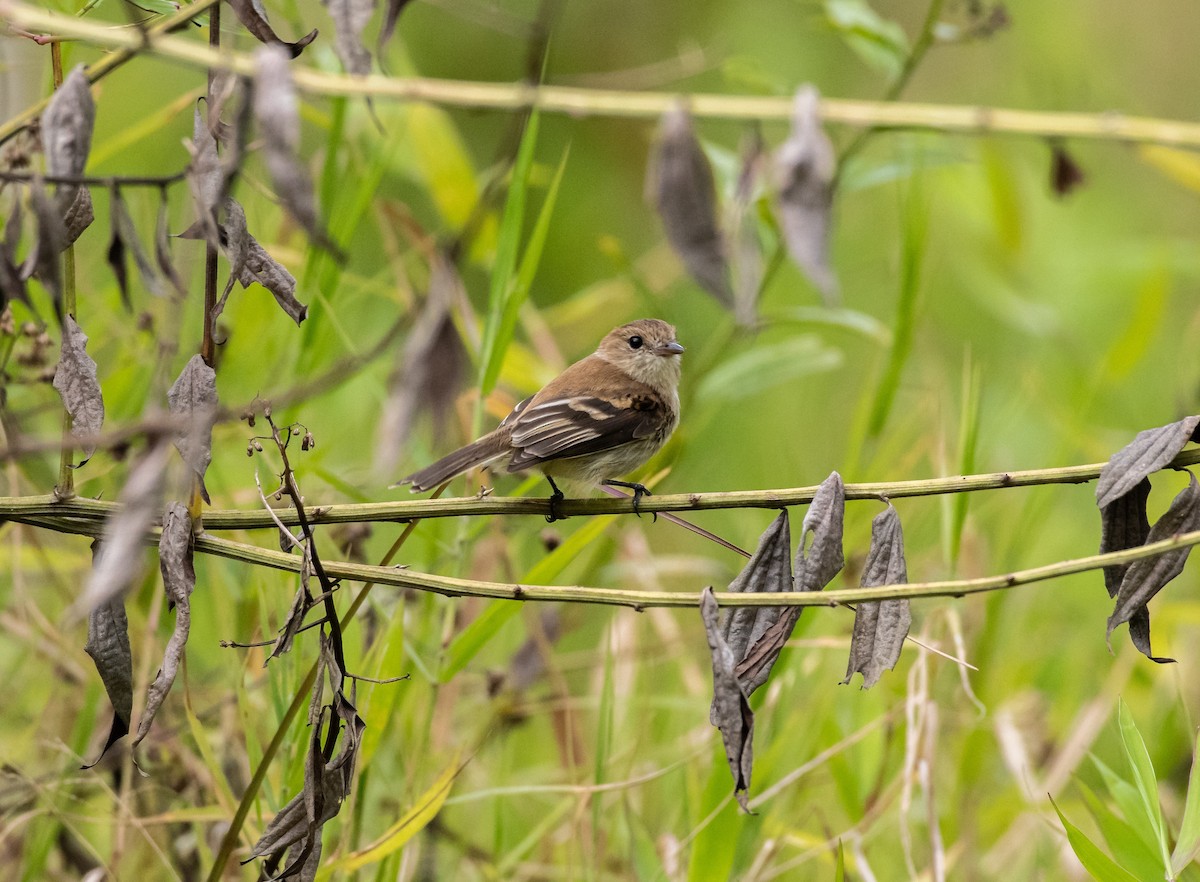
(600, 418)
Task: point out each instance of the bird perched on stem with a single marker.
(599, 419)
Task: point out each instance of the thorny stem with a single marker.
(616, 103)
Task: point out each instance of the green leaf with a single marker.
(968, 443)
(1129, 801)
(877, 41)
(1143, 776)
(764, 366)
(1123, 841)
(497, 334)
(1099, 865)
(1188, 844)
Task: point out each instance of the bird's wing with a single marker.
(576, 425)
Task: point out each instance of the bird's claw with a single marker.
(555, 498)
(639, 490)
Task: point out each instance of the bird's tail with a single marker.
(484, 450)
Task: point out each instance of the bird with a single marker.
(601, 418)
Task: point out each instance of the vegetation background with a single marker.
(988, 323)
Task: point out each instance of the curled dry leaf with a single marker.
(769, 571)
(277, 111)
(12, 283)
(1065, 173)
(120, 559)
(804, 170)
(44, 261)
(125, 239)
(1148, 452)
(192, 400)
(680, 182)
(431, 366)
(179, 578)
(206, 178)
(78, 216)
(743, 231)
(390, 19)
(67, 125)
(880, 627)
(76, 383)
(730, 711)
(350, 18)
(162, 249)
(1147, 576)
(108, 645)
(1123, 524)
(253, 17)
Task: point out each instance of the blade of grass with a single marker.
(1095, 861)
(968, 442)
(1188, 845)
(1143, 777)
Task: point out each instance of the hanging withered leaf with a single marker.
(390, 19)
(730, 711)
(192, 400)
(67, 125)
(680, 182)
(1147, 576)
(206, 179)
(880, 627)
(108, 645)
(162, 249)
(743, 231)
(277, 112)
(431, 366)
(350, 18)
(120, 559)
(804, 169)
(769, 571)
(77, 385)
(1124, 524)
(78, 216)
(179, 578)
(12, 283)
(813, 570)
(253, 17)
(125, 241)
(1065, 173)
(1148, 452)
(44, 261)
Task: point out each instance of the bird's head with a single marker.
(646, 350)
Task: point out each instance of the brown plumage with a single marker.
(599, 419)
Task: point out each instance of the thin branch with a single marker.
(641, 600)
(1107, 126)
(108, 181)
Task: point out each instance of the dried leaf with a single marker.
(1148, 452)
(44, 261)
(390, 19)
(743, 227)
(292, 624)
(1123, 524)
(768, 571)
(179, 578)
(1065, 173)
(78, 216)
(162, 249)
(12, 285)
(277, 111)
(75, 380)
(272, 275)
(67, 127)
(804, 170)
(880, 627)
(1147, 576)
(108, 645)
(730, 711)
(253, 17)
(122, 226)
(680, 182)
(206, 178)
(192, 399)
(120, 559)
(430, 370)
(350, 18)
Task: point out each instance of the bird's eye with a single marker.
(635, 342)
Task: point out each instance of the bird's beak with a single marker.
(666, 349)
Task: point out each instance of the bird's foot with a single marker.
(555, 498)
(639, 490)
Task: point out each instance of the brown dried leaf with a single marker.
(75, 380)
(162, 250)
(743, 227)
(179, 578)
(804, 168)
(67, 125)
(730, 711)
(206, 178)
(431, 367)
(108, 645)
(193, 400)
(1147, 576)
(292, 624)
(768, 571)
(272, 275)
(253, 17)
(880, 627)
(44, 260)
(680, 181)
(78, 216)
(120, 559)
(123, 229)
(390, 19)
(1065, 174)
(12, 283)
(277, 111)
(1148, 452)
(1123, 524)
(350, 18)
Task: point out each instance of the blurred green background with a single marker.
(1036, 330)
